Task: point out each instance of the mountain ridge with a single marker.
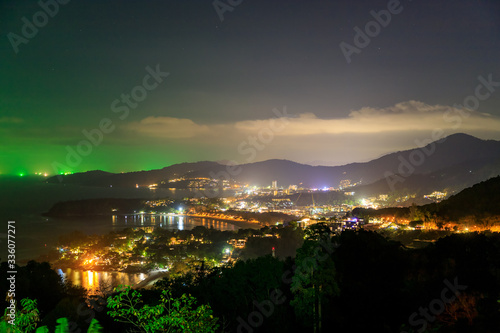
(445, 160)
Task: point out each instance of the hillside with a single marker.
(456, 162)
(452, 179)
(481, 202)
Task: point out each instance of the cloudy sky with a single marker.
(133, 85)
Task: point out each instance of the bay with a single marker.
(24, 199)
(99, 282)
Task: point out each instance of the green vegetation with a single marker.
(26, 320)
(169, 315)
(315, 281)
(356, 281)
(179, 251)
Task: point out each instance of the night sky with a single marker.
(226, 78)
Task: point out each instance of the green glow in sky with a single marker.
(30, 160)
(226, 78)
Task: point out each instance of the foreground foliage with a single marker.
(357, 281)
(27, 319)
(170, 315)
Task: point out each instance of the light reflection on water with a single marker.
(36, 234)
(39, 234)
(171, 222)
(95, 281)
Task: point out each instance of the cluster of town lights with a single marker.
(44, 174)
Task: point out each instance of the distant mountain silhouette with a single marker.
(452, 179)
(458, 161)
(130, 179)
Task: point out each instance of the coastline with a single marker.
(151, 279)
(237, 222)
(151, 276)
(244, 224)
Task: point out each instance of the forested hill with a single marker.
(480, 201)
